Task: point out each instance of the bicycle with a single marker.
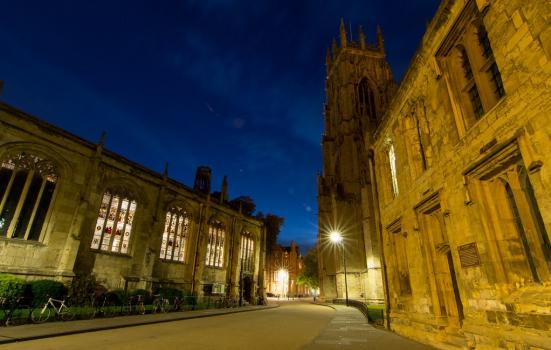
(61, 310)
(134, 304)
(105, 307)
(225, 303)
(178, 304)
(15, 311)
(160, 304)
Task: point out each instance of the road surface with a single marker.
(291, 326)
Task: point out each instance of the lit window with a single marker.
(175, 235)
(215, 246)
(114, 224)
(392, 163)
(27, 184)
(247, 252)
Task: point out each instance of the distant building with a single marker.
(68, 206)
(447, 176)
(282, 269)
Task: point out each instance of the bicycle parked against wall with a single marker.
(225, 303)
(105, 305)
(133, 305)
(14, 311)
(59, 308)
(160, 304)
(178, 304)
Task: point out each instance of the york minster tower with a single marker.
(359, 86)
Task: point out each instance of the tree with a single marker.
(246, 203)
(273, 225)
(309, 275)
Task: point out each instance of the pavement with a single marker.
(55, 329)
(349, 330)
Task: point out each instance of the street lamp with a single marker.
(336, 238)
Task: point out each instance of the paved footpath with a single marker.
(56, 329)
(349, 330)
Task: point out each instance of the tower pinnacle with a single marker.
(342, 30)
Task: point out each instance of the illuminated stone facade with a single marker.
(460, 158)
(359, 86)
(282, 269)
(69, 206)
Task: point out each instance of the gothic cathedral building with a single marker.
(359, 86)
(440, 186)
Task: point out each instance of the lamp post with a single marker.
(336, 238)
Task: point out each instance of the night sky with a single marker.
(235, 85)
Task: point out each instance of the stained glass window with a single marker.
(175, 235)
(27, 185)
(247, 252)
(215, 246)
(114, 223)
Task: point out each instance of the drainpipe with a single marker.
(201, 214)
(380, 230)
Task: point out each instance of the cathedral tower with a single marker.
(359, 85)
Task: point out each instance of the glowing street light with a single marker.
(336, 238)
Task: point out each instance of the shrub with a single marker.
(117, 296)
(42, 289)
(11, 286)
(82, 288)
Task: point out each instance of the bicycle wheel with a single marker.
(40, 315)
(140, 308)
(17, 316)
(86, 311)
(109, 309)
(165, 306)
(156, 307)
(66, 314)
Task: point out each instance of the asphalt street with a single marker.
(291, 326)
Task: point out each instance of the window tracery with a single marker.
(366, 99)
(27, 184)
(391, 154)
(175, 235)
(114, 223)
(247, 252)
(215, 245)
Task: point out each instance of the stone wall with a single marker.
(85, 172)
(474, 282)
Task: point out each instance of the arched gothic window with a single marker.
(392, 164)
(175, 235)
(215, 245)
(114, 224)
(247, 252)
(366, 101)
(469, 67)
(27, 184)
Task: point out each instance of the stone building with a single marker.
(68, 206)
(359, 86)
(282, 269)
(458, 163)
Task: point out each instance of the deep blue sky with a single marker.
(236, 85)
